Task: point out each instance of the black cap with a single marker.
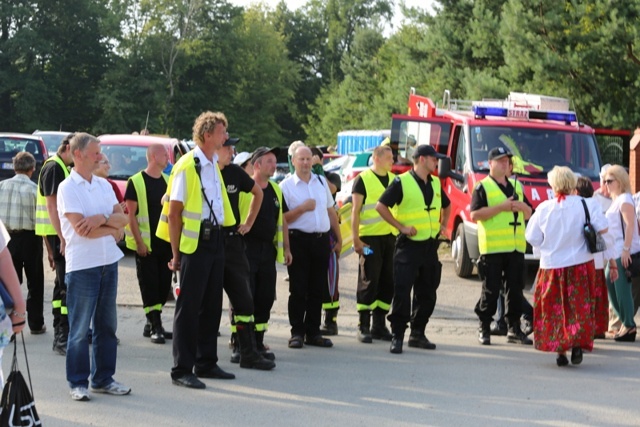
(498, 153)
(261, 151)
(427, 150)
(230, 142)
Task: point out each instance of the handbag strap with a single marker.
(14, 364)
(586, 211)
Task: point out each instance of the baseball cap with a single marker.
(241, 159)
(230, 142)
(261, 151)
(427, 150)
(498, 153)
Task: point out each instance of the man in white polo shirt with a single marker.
(92, 221)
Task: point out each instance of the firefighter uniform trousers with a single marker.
(375, 274)
(416, 266)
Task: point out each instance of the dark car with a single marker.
(52, 139)
(13, 143)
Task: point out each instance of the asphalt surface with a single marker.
(461, 383)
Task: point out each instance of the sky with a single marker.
(294, 4)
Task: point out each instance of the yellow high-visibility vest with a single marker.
(413, 211)
(499, 234)
(192, 209)
(43, 222)
(143, 214)
(371, 223)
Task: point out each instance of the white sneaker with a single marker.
(115, 388)
(80, 393)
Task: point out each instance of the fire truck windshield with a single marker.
(536, 151)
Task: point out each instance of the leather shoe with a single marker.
(629, 336)
(318, 341)
(421, 341)
(576, 356)
(499, 328)
(484, 335)
(516, 336)
(562, 360)
(396, 344)
(189, 381)
(216, 373)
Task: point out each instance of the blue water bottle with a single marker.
(367, 250)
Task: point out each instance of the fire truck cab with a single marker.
(539, 130)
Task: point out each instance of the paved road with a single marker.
(459, 384)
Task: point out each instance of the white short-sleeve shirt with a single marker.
(615, 224)
(295, 191)
(77, 195)
(210, 182)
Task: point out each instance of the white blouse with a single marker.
(615, 224)
(556, 230)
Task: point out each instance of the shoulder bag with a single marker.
(595, 241)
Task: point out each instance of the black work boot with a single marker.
(516, 336)
(396, 343)
(499, 328)
(157, 331)
(60, 344)
(379, 330)
(249, 356)
(146, 331)
(330, 326)
(418, 339)
(484, 333)
(235, 348)
(262, 349)
(364, 327)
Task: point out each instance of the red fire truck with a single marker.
(539, 130)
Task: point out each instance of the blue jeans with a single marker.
(91, 297)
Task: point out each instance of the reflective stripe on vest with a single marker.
(413, 211)
(498, 234)
(192, 209)
(142, 216)
(371, 223)
(43, 223)
(278, 238)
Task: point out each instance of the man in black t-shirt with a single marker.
(143, 196)
(267, 242)
(53, 172)
(236, 265)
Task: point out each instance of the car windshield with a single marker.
(125, 160)
(52, 141)
(10, 146)
(536, 151)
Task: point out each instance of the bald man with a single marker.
(143, 197)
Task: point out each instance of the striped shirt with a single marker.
(18, 203)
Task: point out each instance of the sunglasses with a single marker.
(608, 181)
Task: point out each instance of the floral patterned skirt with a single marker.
(601, 302)
(564, 308)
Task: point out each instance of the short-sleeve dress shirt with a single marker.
(77, 195)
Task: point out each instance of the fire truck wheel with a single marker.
(460, 254)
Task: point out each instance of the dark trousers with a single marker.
(375, 274)
(262, 278)
(307, 277)
(26, 251)
(236, 276)
(198, 307)
(154, 276)
(59, 299)
(331, 291)
(504, 272)
(416, 266)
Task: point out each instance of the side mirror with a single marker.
(444, 170)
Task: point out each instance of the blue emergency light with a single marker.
(482, 112)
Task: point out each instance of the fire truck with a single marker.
(539, 130)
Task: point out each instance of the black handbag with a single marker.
(633, 269)
(17, 407)
(595, 241)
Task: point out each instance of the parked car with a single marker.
(52, 139)
(13, 143)
(354, 164)
(334, 164)
(128, 154)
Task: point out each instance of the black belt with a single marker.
(230, 231)
(19, 231)
(298, 233)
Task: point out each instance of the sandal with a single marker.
(319, 341)
(295, 341)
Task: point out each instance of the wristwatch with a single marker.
(106, 218)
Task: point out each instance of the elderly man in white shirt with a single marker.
(309, 211)
(92, 221)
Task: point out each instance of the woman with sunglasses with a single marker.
(623, 226)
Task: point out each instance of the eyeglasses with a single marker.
(608, 181)
(104, 162)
